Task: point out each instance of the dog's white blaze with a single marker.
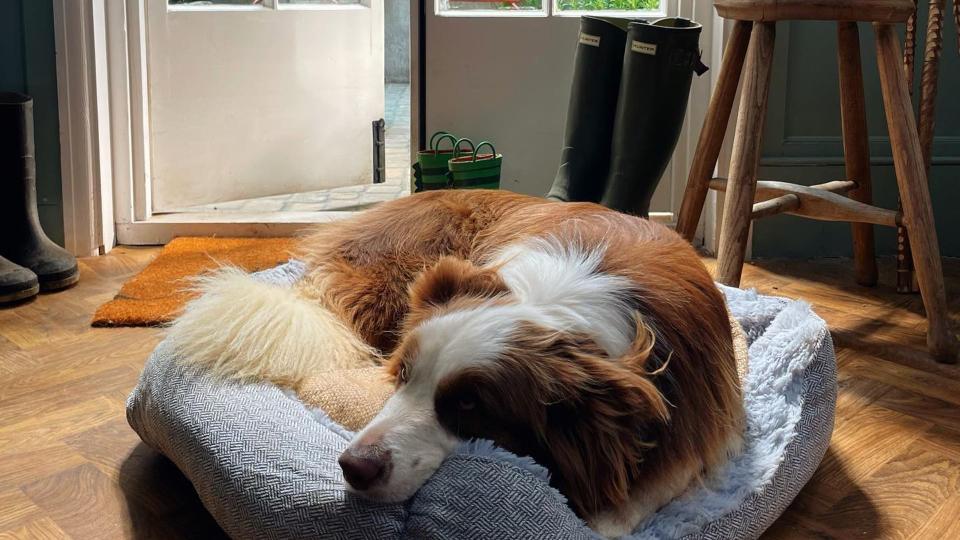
(416, 440)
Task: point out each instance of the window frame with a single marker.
(267, 6)
(550, 9)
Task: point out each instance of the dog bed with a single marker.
(266, 467)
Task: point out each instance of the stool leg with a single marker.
(856, 146)
(914, 191)
(742, 184)
(714, 128)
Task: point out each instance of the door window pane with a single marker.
(608, 5)
(488, 5)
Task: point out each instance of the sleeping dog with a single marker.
(592, 341)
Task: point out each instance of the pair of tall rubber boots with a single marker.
(631, 82)
(29, 261)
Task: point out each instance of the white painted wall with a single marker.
(250, 103)
(507, 79)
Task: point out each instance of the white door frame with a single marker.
(85, 152)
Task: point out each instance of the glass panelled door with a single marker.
(252, 98)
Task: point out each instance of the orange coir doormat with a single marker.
(158, 293)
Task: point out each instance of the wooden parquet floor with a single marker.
(70, 467)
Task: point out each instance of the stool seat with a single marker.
(883, 11)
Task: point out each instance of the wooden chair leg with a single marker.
(856, 146)
(742, 183)
(714, 128)
(914, 192)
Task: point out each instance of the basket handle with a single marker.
(476, 150)
(434, 141)
(456, 148)
(446, 136)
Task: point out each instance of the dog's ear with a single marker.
(451, 278)
(604, 414)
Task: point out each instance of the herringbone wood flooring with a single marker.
(70, 466)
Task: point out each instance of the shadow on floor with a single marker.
(161, 502)
(884, 324)
(838, 273)
(846, 512)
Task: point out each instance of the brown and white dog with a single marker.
(592, 341)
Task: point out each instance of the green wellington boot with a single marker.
(585, 159)
(658, 66)
(16, 282)
(22, 240)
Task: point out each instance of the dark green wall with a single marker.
(802, 140)
(28, 65)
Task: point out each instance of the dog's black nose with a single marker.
(364, 466)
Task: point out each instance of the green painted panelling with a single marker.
(12, 72)
(28, 64)
(802, 140)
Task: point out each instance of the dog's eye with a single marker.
(403, 374)
(466, 404)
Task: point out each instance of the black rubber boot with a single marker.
(16, 282)
(22, 240)
(658, 66)
(593, 103)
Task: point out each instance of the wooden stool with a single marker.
(747, 199)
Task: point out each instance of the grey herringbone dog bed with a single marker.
(266, 467)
